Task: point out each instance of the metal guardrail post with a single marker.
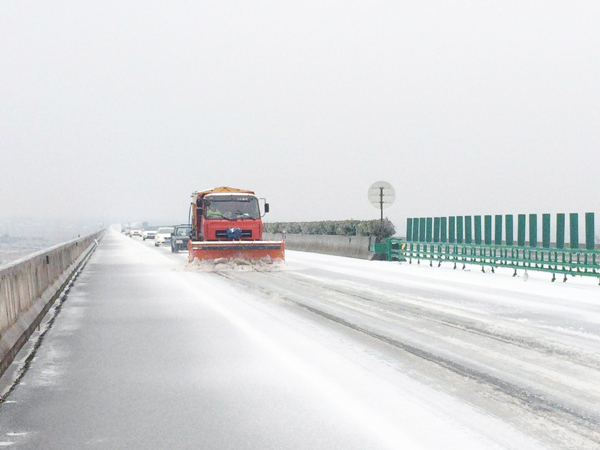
(574, 223)
(498, 230)
(460, 232)
(589, 231)
(452, 230)
(560, 231)
(546, 231)
(443, 229)
(415, 230)
(429, 230)
(521, 230)
(478, 230)
(510, 235)
(488, 230)
(533, 240)
(468, 229)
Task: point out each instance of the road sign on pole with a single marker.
(381, 195)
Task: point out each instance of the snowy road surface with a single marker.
(322, 353)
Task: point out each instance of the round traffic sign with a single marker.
(381, 194)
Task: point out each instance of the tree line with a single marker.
(374, 228)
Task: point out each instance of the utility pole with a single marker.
(381, 195)
(381, 203)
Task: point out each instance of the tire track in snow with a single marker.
(582, 422)
(460, 323)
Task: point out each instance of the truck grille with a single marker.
(222, 234)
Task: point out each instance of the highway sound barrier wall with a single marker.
(479, 230)
(490, 241)
(29, 286)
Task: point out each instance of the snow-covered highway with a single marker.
(320, 353)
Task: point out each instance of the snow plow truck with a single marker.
(226, 223)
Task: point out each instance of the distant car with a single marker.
(128, 232)
(163, 235)
(180, 238)
(136, 232)
(149, 233)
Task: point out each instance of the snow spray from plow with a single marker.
(265, 264)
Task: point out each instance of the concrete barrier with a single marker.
(29, 286)
(351, 246)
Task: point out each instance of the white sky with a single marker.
(119, 110)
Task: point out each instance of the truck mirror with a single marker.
(266, 208)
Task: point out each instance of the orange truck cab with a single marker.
(226, 222)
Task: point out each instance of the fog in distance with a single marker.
(116, 111)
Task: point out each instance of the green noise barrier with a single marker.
(489, 241)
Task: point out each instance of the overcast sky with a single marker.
(118, 110)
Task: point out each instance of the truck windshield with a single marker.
(232, 208)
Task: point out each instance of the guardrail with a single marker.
(451, 240)
(29, 286)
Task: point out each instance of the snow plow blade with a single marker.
(249, 250)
